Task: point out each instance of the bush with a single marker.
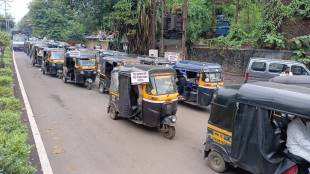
(6, 81)
(9, 103)
(6, 91)
(10, 121)
(5, 72)
(14, 152)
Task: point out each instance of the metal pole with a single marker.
(184, 16)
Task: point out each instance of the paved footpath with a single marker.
(80, 138)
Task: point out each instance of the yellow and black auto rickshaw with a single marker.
(80, 67)
(53, 61)
(197, 81)
(105, 66)
(37, 54)
(146, 95)
(248, 128)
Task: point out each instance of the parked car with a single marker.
(263, 69)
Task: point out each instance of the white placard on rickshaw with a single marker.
(75, 53)
(140, 77)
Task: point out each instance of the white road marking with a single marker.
(45, 163)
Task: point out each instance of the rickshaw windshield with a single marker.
(86, 62)
(213, 77)
(164, 84)
(57, 55)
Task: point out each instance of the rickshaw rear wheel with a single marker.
(89, 86)
(64, 79)
(113, 113)
(170, 133)
(216, 162)
(101, 88)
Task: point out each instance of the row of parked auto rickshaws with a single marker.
(248, 122)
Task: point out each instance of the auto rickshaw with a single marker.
(197, 81)
(105, 67)
(37, 55)
(146, 95)
(80, 67)
(53, 61)
(248, 125)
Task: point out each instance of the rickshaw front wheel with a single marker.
(216, 162)
(170, 133)
(113, 113)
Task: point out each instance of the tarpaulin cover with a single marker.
(255, 146)
(124, 97)
(286, 98)
(293, 80)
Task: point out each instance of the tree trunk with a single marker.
(237, 11)
(153, 24)
(163, 14)
(184, 35)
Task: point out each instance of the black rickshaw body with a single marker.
(197, 81)
(157, 109)
(248, 123)
(293, 80)
(53, 61)
(80, 67)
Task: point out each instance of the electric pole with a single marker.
(7, 5)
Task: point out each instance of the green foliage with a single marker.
(6, 91)
(9, 103)
(14, 150)
(5, 72)
(55, 20)
(301, 56)
(300, 43)
(274, 40)
(199, 23)
(6, 80)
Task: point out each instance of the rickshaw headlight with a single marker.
(53, 64)
(94, 72)
(82, 72)
(173, 118)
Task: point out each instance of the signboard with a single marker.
(75, 53)
(172, 56)
(140, 77)
(153, 53)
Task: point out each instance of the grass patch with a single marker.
(6, 80)
(9, 103)
(6, 91)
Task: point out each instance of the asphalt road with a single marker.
(80, 138)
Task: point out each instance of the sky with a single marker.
(18, 9)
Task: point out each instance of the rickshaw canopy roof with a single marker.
(293, 80)
(196, 66)
(286, 98)
(128, 69)
(81, 54)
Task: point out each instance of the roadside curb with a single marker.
(44, 161)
